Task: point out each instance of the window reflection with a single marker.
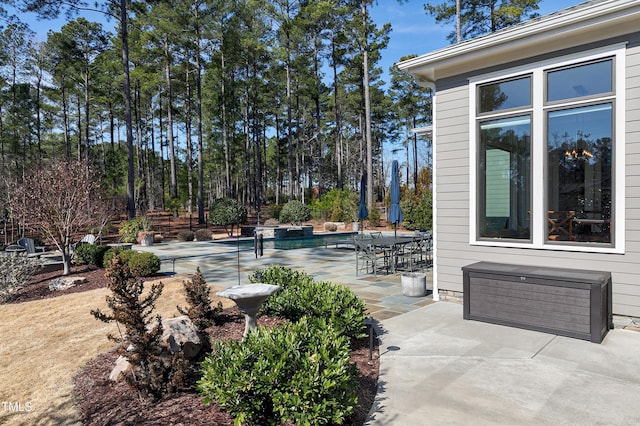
(579, 146)
(504, 192)
(584, 80)
(505, 95)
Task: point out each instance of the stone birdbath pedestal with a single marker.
(249, 298)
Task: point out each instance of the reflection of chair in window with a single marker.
(560, 225)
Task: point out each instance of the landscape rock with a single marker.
(121, 368)
(180, 335)
(63, 283)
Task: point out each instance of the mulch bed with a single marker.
(103, 402)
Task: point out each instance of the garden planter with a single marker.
(414, 284)
(145, 238)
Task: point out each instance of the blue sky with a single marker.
(413, 31)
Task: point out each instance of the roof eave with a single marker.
(589, 18)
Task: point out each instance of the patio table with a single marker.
(391, 246)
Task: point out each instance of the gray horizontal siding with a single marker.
(452, 219)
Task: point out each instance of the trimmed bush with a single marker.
(144, 264)
(294, 212)
(203, 235)
(297, 373)
(227, 212)
(141, 264)
(330, 226)
(90, 254)
(300, 296)
(186, 236)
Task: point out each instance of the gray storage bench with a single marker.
(568, 302)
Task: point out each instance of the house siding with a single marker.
(453, 250)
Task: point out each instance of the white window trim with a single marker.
(538, 219)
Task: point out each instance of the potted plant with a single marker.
(145, 234)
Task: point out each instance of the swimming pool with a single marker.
(292, 243)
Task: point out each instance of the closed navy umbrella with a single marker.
(395, 214)
(362, 210)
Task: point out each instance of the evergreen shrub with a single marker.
(90, 254)
(299, 372)
(203, 235)
(141, 264)
(301, 296)
(418, 212)
(227, 212)
(294, 212)
(151, 373)
(198, 296)
(186, 236)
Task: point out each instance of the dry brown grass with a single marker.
(45, 343)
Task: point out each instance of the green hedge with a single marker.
(141, 264)
(297, 373)
(90, 254)
(301, 296)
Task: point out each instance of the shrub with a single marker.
(335, 206)
(294, 212)
(227, 212)
(144, 264)
(418, 212)
(300, 296)
(203, 235)
(374, 216)
(198, 296)
(330, 226)
(186, 236)
(297, 373)
(271, 222)
(129, 229)
(142, 332)
(90, 254)
(141, 264)
(15, 273)
(274, 211)
(124, 254)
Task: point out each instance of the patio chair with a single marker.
(409, 255)
(30, 247)
(366, 256)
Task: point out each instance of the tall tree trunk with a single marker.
(225, 138)
(131, 206)
(173, 180)
(201, 220)
(336, 104)
(189, 143)
(367, 104)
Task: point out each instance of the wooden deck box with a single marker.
(567, 302)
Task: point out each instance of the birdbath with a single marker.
(249, 298)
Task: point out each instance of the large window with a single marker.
(544, 157)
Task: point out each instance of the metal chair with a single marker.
(366, 253)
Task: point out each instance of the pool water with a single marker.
(291, 243)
